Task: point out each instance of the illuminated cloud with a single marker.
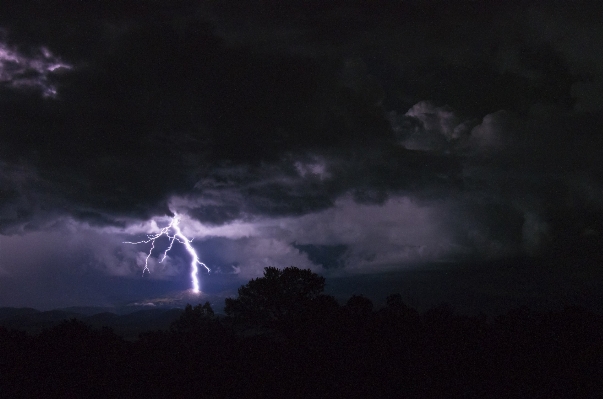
(340, 140)
(34, 71)
(426, 127)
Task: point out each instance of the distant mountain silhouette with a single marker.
(90, 310)
(9, 312)
(127, 325)
(170, 300)
(127, 319)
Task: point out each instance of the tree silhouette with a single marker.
(193, 317)
(278, 295)
(318, 349)
(359, 305)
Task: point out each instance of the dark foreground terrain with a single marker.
(349, 351)
(283, 338)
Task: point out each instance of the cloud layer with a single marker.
(346, 137)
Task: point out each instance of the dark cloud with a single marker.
(329, 256)
(159, 97)
(367, 133)
(144, 116)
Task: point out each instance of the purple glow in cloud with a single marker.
(19, 70)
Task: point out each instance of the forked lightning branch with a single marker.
(176, 236)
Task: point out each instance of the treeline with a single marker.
(283, 338)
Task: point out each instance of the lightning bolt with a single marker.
(176, 236)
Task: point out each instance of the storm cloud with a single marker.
(347, 138)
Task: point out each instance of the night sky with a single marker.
(449, 151)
